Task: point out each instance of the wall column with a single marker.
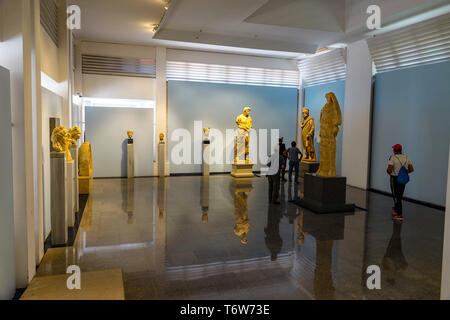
(445, 282)
(357, 115)
(16, 54)
(161, 106)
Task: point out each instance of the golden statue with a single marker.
(161, 137)
(85, 167)
(130, 134)
(74, 135)
(330, 120)
(206, 131)
(61, 141)
(244, 123)
(308, 127)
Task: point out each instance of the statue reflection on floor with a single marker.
(325, 229)
(162, 196)
(241, 188)
(204, 198)
(128, 198)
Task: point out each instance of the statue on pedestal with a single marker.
(74, 135)
(130, 136)
(161, 138)
(330, 120)
(308, 127)
(60, 139)
(206, 133)
(244, 123)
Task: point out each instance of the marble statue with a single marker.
(61, 141)
(330, 120)
(308, 127)
(244, 123)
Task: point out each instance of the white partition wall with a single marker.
(7, 283)
(357, 115)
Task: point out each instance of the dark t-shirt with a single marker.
(293, 154)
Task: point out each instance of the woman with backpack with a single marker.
(399, 168)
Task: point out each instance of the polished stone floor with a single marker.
(218, 238)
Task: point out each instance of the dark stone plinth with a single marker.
(308, 168)
(325, 195)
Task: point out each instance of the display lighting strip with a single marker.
(189, 71)
(118, 103)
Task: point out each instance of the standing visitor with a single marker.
(283, 153)
(275, 164)
(399, 168)
(294, 156)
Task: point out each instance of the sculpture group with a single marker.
(63, 138)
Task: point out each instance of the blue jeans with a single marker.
(293, 165)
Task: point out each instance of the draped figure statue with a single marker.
(330, 120)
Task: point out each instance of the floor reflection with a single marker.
(394, 262)
(241, 188)
(151, 229)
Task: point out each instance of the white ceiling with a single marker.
(278, 28)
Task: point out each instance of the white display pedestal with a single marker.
(58, 198)
(206, 158)
(76, 193)
(70, 192)
(161, 159)
(130, 160)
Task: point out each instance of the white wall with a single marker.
(7, 283)
(15, 55)
(114, 87)
(51, 108)
(445, 283)
(357, 115)
(49, 56)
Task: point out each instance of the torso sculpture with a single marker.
(308, 127)
(244, 123)
(330, 120)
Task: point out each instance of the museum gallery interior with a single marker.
(212, 149)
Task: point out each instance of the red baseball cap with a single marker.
(397, 147)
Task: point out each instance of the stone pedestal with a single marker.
(325, 195)
(307, 167)
(206, 158)
(58, 198)
(130, 160)
(242, 169)
(205, 198)
(70, 192)
(161, 159)
(74, 153)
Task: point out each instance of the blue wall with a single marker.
(218, 105)
(106, 130)
(412, 107)
(315, 100)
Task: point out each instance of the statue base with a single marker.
(308, 167)
(325, 195)
(242, 169)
